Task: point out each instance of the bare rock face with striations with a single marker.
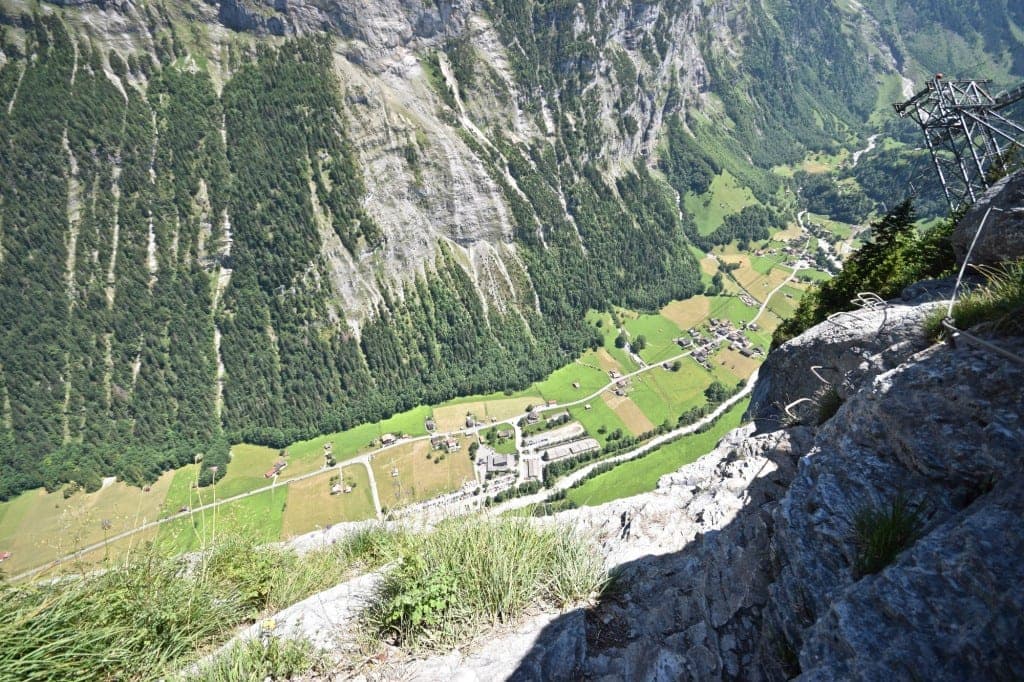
(840, 352)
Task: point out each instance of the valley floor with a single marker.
(609, 403)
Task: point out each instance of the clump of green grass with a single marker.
(470, 573)
(152, 613)
(119, 624)
(998, 306)
(881, 533)
(829, 401)
(278, 659)
(269, 578)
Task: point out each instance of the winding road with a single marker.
(792, 275)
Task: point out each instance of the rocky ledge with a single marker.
(743, 565)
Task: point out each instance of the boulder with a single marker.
(1002, 238)
(839, 352)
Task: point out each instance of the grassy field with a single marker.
(347, 444)
(452, 417)
(609, 332)
(768, 323)
(791, 232)
(784, 303)
(37, 527)
(664, 395)
(731, 308)
(689, 313)
(765, 264)
(311, 505)
(559, 386)
(758, 284)
(890, 90)
(841, 230)
(641, 475)
(816, 275)
(506, 446)
(629, 414)
(408, 473)
(738, 366)
(598, 417)
(661, 334)
(708, 265)
(725, 196)
(602, 359)
(257, 517)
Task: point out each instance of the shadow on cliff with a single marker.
(690, 614)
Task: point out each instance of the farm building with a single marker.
(276, 469)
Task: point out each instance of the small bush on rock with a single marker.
(829, 402)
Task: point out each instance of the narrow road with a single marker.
(373, 490)
(803, 254)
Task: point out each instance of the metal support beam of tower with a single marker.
(964, 132)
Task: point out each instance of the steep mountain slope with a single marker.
(210, 232)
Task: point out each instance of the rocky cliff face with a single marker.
(746, 565)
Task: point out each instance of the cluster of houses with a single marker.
(620, 387)
(702, 348)
(736, 339)
(793, 248)
(446, 443)
(724, 332)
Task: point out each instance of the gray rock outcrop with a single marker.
(839, 353)
(1003, 235)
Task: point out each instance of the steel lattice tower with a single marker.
(965, 133)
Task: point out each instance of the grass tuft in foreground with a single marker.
(470, 573)
(998, 305)
(153, 614)
(278, 659)
(881, 533)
